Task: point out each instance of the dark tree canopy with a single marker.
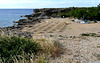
(99, 5)
(91, 13)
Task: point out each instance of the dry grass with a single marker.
(50, 46)
(42, 58)
(50, 50)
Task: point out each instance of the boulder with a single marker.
(27, 15)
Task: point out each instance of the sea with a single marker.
(7, 16)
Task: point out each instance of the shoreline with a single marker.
(36, 17)
(39, 16)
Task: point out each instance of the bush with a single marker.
(90, 34)
(12, 46)
(65, 14)
(60, 36)
(91, 13)
(84, 34)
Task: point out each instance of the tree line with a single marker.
(89, 13)
(92, 13)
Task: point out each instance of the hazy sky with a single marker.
(47, 3)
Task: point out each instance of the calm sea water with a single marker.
(7, 16)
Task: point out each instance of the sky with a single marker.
(47, 3)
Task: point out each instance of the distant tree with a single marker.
(99, 5)
(78, 13)
(91, 13)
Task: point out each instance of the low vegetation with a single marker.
(72, 37)
(90, 34)
(18, 50)
(60, 36)
(11, 46)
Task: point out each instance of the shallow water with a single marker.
(7, 16)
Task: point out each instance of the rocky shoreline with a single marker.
(34, 18)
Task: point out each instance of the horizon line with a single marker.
(48, 7)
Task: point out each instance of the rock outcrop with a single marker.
(39, 14)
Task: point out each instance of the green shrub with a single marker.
(98, 46)
(51, 35)
(72, 37)
(60, 36)
(89, 34)
(12, 46)
(85, 34)
(65, 14)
